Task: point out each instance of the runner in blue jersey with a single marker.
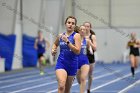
(41, 46)
(83, 62)
(67, 62)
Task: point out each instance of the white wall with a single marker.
(31, 14)
(126, 13)
(92, 10)
(17, 60)
(7, 16)
(120, 13)
(111, 44)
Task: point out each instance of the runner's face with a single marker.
(87, 26)
(133, 35)
(70, 24)
(40, 34)
(82, 30)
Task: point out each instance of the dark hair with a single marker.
(72, 18)
(76, 29)
(92, 32)
(89, 24)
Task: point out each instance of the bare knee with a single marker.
(61, 86)
(83, 79)
(42, 58)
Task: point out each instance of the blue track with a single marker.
(108, 78)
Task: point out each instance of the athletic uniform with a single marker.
(90, 56)
(41, 45)
(82, 58)
(67, 59)
(133, 51)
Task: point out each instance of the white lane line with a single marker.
(20, 78)
(106, 91)
(36, 86)
(24, 72)
(129, 87)
(55, 90)
(42, 85)
(18, 74)
(29, 81)
(15, 79)
(115, 80)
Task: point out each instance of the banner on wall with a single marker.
(7, 46)
(29, 53)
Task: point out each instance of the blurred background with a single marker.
(20, 20)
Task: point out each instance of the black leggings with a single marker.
(91, 58)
